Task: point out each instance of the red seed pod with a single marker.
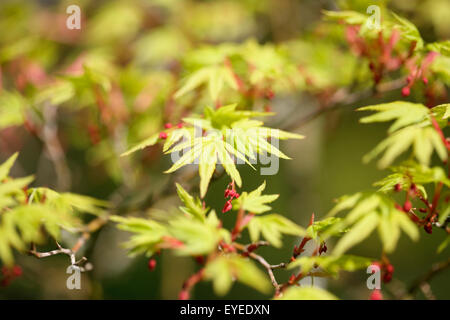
(151, 264)
(227, 193)
(168, 125)
(409, 78)
(407, 206)
(425, 80)
(227, 207)
(236, 195)
(180, 125)
(376, 295)
(17, 271)
(163, 135)
(428, 228)
(406, 91)
(398, 187)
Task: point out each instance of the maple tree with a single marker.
(211, 103)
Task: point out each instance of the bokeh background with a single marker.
(139, 44)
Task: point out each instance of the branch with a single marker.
(268, 267)
(49, 136)
(343, 98)
(247, 251)
(424, 279)
(61, 250)
(190, 283)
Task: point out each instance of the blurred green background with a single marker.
(139, 43)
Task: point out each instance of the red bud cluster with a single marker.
(387, 270)
(10, 274)
(231, 194)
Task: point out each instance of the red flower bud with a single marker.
(227, 193)
(377, 264)
(398, 187)
(151, 264)
(227, 207)
(184, 295)
(406, 91)
(180, 125)
(163, 135)
(407, 206)
(425, 80)
(168, 125)
(17, 271)
(428, 228)
(376, 295)
(390, 268)
(387, 277)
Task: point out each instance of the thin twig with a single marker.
(343, 98)
(49, 136)
(61, 250)
(424, 279)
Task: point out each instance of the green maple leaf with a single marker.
(412, 127)
(227, 268)
(370, 211)
(230, 134)
(254, 202)
(272, 226)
